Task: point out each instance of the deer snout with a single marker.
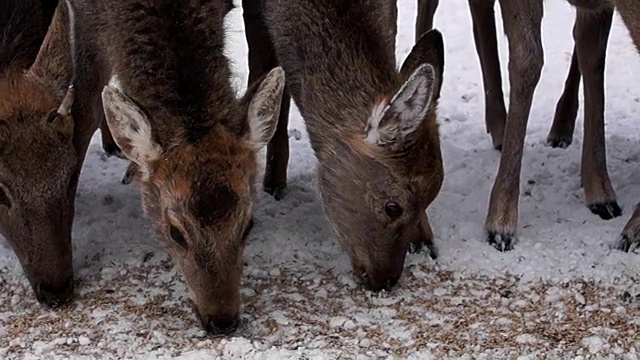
(221, 324)
(55, 295)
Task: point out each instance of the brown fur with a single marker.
(175, 115)
(38, 164)
(340, 65)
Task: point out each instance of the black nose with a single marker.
(55, 296)
(222, 325)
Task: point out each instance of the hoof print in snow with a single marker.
(627, 243)
(502, 242)
(607, 210)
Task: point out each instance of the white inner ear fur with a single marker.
(264, 108)
(406, 110)
(130, 127)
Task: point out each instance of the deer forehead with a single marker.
(184, 179)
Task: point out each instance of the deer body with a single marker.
(379, 157)
(164, 81)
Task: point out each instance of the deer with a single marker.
(158, 71)
(591, 31)
(373, 128)
(38, 162)
(41, 156)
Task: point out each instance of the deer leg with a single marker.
(426, 239)
(424, 20)
(262, 59)
(108, 144)
(629, 240)
(522, 23)
(564, 120)
(486, 41)
(591, 34)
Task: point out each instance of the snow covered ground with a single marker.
(562, 293)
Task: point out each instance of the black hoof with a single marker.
(561, 142)
(55, 297)
(606, 211)
(502, 242)
(113, 150)
(416, 248)
(277, 191)
(127, 178)
(626, 243)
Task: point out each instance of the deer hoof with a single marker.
(561, 142)
(501, 241)
(607, 210)
(627, 243)
(416, 248)
(277, 191)
(113, 150)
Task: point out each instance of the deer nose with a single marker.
(222, 325)
(55, 296)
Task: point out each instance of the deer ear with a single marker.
(264, 108)
(130, 128)
(393, 123)
(428, 49)
(53, 64)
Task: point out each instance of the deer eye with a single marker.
(393, 209)
(177, 236)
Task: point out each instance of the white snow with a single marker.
(300, 300)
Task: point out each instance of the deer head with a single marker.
(37, 163)
(199, 196)
(376, 185)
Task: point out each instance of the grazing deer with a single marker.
(164, 81)
(591, 31)
(39, 166)
(373, 128)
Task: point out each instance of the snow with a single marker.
(300, 301)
